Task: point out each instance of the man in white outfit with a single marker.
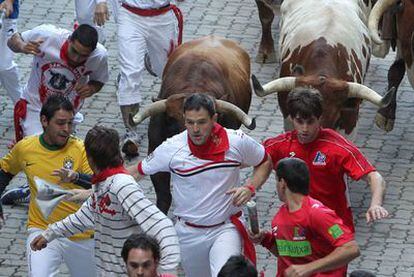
(9, 76)
(72, 64)
(152, 28)
(205, 162)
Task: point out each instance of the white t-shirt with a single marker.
(50, 74)
(199, 186)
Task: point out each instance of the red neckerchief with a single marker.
(64, 51)
(214, 148)
(108, 172)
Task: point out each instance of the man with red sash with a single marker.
(116, 209)
(205, 162)
(148, 32)
(308, 238)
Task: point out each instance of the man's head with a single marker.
(56, 117)
(141, 254)
(82, 43)
(102, 148)
(237, 266)
(292, 174)
(199, 117)
(305, 110)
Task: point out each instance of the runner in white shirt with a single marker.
(148, 30)
(205, 162)
(71, 64)
(9, 75)
(116, 209)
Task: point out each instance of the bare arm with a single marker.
(242, 195)
(341, 256)
(377, 185)
(18, 45)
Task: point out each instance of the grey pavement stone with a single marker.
(386, 247)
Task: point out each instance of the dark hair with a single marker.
(141, 241)
(54, 103)
(304, 102)
(238, 266)
(197, 101)
(102, 146)
(86, 35)
(295, 172)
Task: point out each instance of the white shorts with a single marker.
(78, 256)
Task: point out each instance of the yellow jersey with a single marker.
(35, 157)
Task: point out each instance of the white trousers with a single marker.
(78, 256)
(138, 35)
(204, 251)
(9, 75)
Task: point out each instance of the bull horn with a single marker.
(281, 84)
(224, 106)
(147, 111)
(374, 17)
(360, 91)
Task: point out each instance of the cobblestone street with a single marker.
(387, 247)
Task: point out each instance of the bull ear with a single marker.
(298, 70)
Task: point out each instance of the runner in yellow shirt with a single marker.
(46, 156)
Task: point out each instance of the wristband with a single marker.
(268, 240)
(252, 189)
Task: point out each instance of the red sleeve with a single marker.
(354, 162)
(272, 150)
(328, 225)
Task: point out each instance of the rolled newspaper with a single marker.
(48, 196)
(254, 221)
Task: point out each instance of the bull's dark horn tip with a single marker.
(252, 126)
(131, 120)
(258, 89)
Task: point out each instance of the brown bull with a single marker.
(402, 22)
(325, 44)
(212, 65)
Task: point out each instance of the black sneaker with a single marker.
(20, 195)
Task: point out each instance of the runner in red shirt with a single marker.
(329, 156)
(308, 238)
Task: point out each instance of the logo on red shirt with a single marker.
(320, 159)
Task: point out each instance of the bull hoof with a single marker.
(266, 58)
(386, 124)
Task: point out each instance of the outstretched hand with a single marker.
(241, 195)
(101, 14)
(65, 175)
(33, 47)
(376, 212)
